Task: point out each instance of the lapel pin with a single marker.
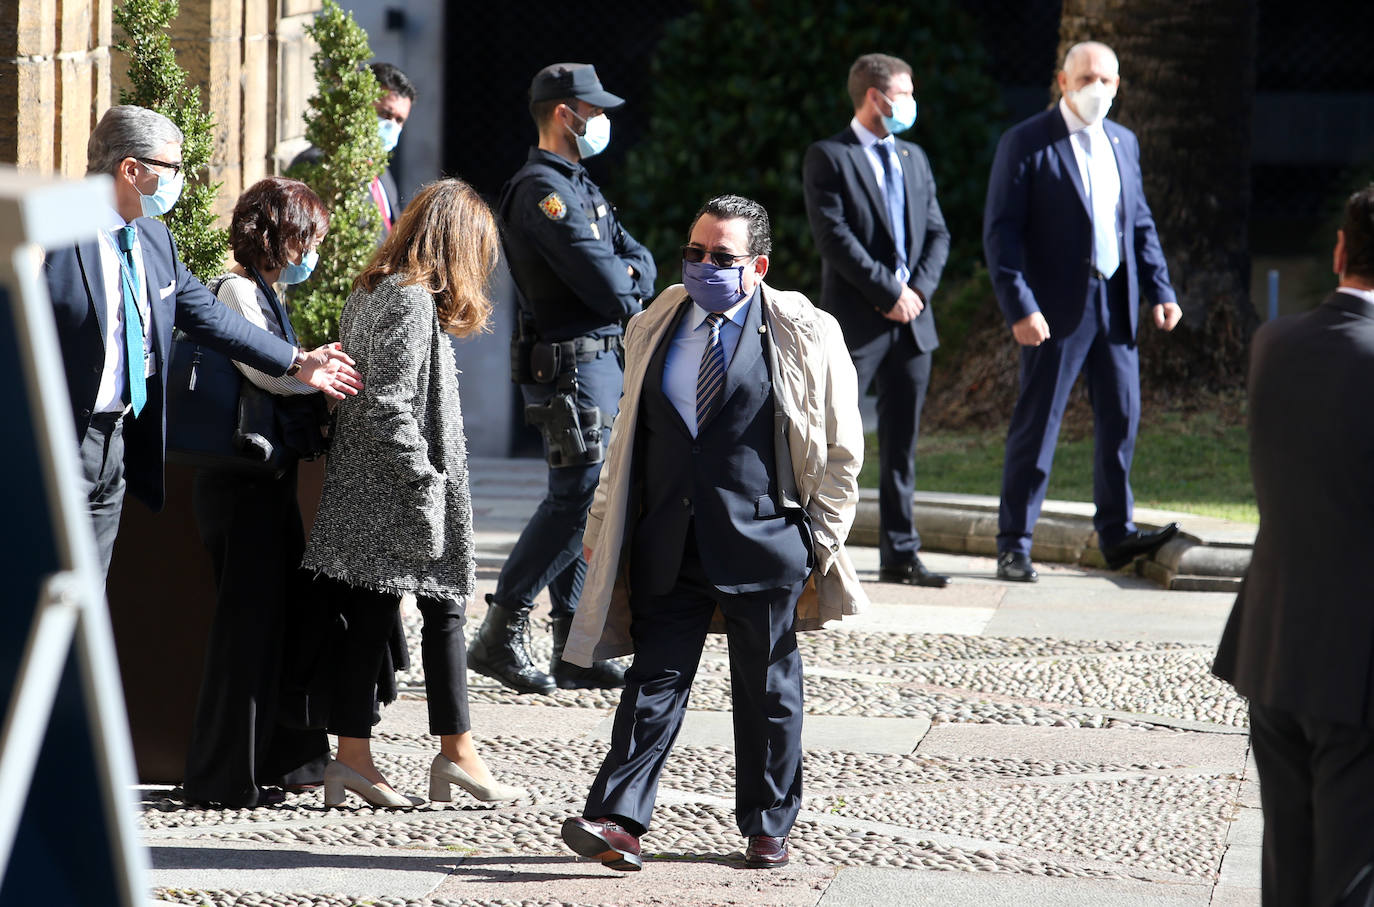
(906, 153)
(763, 329)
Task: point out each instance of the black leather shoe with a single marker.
(602, 675)
(1016, 567)
(605, 840)
(765, 852)
(913, 574)
(1137, 543)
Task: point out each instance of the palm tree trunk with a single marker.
(1187, 90)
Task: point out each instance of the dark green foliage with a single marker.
(342, 124)
(741, 88)
(158, 83)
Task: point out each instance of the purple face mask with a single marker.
(714, 289)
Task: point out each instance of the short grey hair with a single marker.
(1085, 47)
(128, 131)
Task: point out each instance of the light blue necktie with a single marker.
(711, 375)
(133, 321)
(1106, 250)
(895, 191)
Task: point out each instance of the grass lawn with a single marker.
(1196, 463)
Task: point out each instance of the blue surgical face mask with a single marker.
(165, 196)
(390, 131)
(714, 289)
(903, 115)
(299, 273)
(596, 136)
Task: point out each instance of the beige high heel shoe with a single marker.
(339, 778)
(444, 772)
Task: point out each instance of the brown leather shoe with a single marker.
(766, 852)
(605, 840)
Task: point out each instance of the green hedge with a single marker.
(739, 90)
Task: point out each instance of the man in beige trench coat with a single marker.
(728, 491)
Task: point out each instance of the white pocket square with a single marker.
(167, 290)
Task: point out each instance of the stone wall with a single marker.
(251, 58)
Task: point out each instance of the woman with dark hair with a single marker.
(251, 526)
(396, 513)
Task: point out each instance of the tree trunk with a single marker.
(1187, 91)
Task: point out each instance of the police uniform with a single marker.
(571, 261)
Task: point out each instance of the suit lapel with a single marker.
(1063, 146)
(152, 285)
(863, 172)
(909, 180)
(1114, 139)
(93, 275)
(747, 352)
(653, 375)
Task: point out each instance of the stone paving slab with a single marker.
(699, 882)
(355, 871)
(866, 887)
(1198, 751)
(819, 732)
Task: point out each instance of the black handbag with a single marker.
(216, 420)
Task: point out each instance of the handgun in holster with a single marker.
(572, 436)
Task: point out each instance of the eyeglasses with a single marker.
(695, 254)
(152, 161)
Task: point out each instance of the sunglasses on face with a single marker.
(695, 254)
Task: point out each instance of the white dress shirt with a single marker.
(109, 398)
(683, 359)
(875, 147)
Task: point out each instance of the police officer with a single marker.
(580, 276)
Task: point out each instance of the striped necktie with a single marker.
(711, 375)
(133, 319)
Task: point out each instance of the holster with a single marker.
(572, 436)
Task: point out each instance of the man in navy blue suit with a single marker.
(1071, 247)
(870, 198)
(115, 301)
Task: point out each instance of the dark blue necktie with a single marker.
(896, 199)
(133, 321)
(711, 374)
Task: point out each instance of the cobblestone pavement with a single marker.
(947, 747)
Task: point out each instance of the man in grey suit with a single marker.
(1300, 640)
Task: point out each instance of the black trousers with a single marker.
(369, 617)
(1317, 793)
(102, 474)
(669, 631)
(901, 375)
(252, 530)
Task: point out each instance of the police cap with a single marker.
(572, 80)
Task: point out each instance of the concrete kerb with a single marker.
(1209, 554)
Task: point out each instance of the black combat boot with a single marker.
(602, 675)
(501, 651)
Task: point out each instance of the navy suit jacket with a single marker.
(853, 234)
(1037, 226)
(76, 285)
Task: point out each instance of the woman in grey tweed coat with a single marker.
(396, 516)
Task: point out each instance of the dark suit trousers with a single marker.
(669, 631)
(102, 475)
(252, 529)
(1099, 346)
(900, 373)
(370, 617)
(1317, 792)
